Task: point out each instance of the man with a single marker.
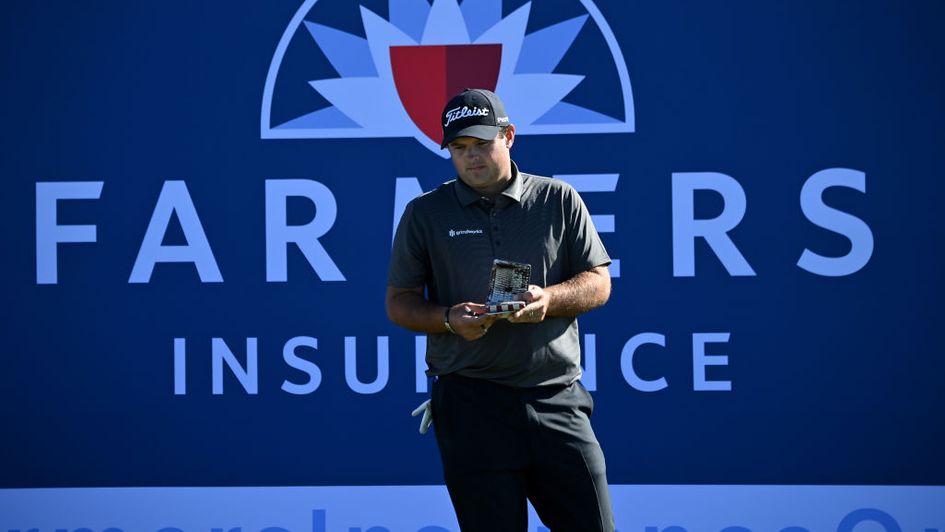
(510, 416)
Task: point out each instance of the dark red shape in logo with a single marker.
(427, 76)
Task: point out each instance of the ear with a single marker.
(509, 136)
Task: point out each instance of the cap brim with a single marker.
(477, 131)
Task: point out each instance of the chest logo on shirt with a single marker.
(461, 232)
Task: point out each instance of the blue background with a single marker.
(835, 380)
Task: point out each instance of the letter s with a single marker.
(855, 229)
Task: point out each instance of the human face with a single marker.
(484, 165)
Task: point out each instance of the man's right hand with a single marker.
(470, 320)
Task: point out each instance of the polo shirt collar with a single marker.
(467, 196)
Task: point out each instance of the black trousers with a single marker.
(501, 445)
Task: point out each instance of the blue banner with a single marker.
(199, 200)
(665, 508)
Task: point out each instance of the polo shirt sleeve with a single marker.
(585, 249)
(409, 263)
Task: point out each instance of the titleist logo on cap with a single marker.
(463, 112)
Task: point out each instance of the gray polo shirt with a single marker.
(446, 242)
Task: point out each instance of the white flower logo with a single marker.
(395, 81)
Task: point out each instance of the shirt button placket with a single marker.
(495, 228)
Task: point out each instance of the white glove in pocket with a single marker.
(425, 408)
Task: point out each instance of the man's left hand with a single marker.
(536, 306)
